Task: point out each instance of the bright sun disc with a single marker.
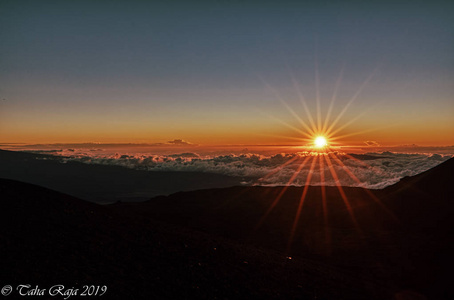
(320, 142)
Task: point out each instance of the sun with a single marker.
(320, 142)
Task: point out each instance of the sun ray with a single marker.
(324, 204)
(341, 190)
(290, 126)
(363, 163)
(299, 139)
(279, 98)
(301, 97)
(317, 95)
(303, 102)
(279, 168)
(375, 198)
(359, 132)
(279, 196)
(351, 121)
(297, 117)
(363, 85)
(333, 99)
(301, 203)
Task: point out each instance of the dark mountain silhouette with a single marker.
(391, 244)
(103, 183)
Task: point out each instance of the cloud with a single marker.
(372, 143)
(378, 169)
(415, 149)
(186, 154)
(385, 169)
(179, 142)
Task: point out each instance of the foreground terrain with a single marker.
(227, 243)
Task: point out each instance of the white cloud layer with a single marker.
(374, 170)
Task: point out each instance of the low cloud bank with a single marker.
(371, 170)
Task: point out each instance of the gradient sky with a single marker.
(212, 73)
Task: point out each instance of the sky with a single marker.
(226, 72)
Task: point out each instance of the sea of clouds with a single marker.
(374, 170)
(371, 167)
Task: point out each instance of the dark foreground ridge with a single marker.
(215, 244)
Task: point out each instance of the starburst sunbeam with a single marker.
(319, 137)
(359, 132)
(291, 127)
(317, 97)
(278, 97)
(276, 201)
(297, 117)
(303, 102)
(371, 195)
(300, 204)
(341, 191)
(333, 99)
(324, 204)
(355, 96)
(363, 163)
(279, 168)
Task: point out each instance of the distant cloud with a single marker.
(179, 142)
(372, 143)
(184, 155)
